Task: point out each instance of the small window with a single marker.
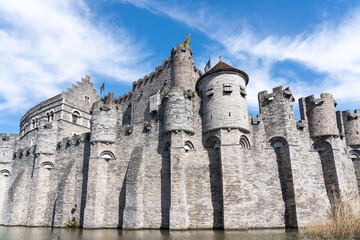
(51, 116)
(87, 99)
(107, 155)
(273, 119)
(210, 91)
(33, 124)
(319, 124)
(188, 146)
(47, 165)
(75, 117)
(5, 172)
(244, 142)
(243, 91)
(229, 114)
(227, 88)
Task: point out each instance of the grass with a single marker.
(344, 223)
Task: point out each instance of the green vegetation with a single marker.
(71, 223)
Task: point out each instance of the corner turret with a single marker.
(321, 115)
(223, 95)
(182, 67)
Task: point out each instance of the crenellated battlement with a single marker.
(277, 94)
(72, 141)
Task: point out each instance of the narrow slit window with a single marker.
(319, 124)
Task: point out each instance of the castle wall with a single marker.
(15, 205)
(153, 158)
(300, 171)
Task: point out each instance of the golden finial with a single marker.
(87, 77)
(220, 58)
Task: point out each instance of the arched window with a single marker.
(33, 123)
(51, 116)
(278, 142)
(212, 143)
(107, 155)
(354, 154)
(244, 142)
(76, 117)
(4, 173)
(47, 165)
(188, 146)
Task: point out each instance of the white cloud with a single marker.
(331, 49)
(48, 45)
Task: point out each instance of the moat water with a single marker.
(47, 233)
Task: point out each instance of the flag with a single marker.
(207, 67)
(187, 41)
(102, 88)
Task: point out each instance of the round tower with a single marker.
(179, 110)
(182, 71)
(321, 115)
(352, 127)
(223, 95)
(103, 120)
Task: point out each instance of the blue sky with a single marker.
(46, 46)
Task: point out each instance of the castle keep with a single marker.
(179, 151)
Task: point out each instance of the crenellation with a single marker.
(179, 151)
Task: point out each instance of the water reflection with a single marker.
(44, 233)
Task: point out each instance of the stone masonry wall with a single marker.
(139, 166)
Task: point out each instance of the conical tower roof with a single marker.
(220, 67)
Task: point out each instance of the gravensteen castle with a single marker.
(179, 151)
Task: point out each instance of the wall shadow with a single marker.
(282, 152)
(85, 174)
(122, 203)
(329, 170)
(165, 190)
(217, 198)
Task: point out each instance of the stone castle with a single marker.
(179, 151)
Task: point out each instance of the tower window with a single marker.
(319, 124)
(273, 119)
(229, 114)
(242, 91)
(75, 117)
(210, 91)
(87, 99)
(227, 88)
(33, 124)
